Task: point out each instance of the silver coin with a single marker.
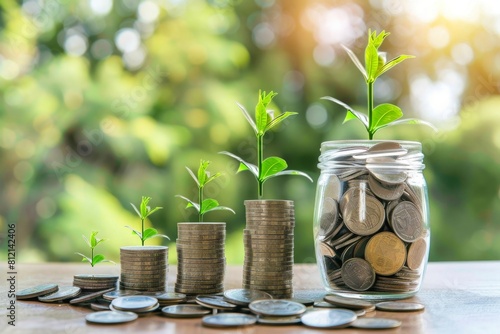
(390, 178)
(349, 303)
(375, 323)
(399, 306)
(89, 296)
(215, 302)
(229, 320)
(323, 304)
(64, 292)
(185, 311)
(96, 277)
(110, 317)
(358, 274)
(328, 318)
(118, 293)
(407, 221)
(136, 303)
(37, 291)
(278, 320)
(244, 297)
(99, 307)
(276, 308)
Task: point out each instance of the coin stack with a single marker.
(268, 241)
(372, 234)
(95, 282)
(143, 268)
(201, 258)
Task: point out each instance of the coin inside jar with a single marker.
(358, 274)
(386, 253)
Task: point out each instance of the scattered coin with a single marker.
(349, 303)
(277, 308)
(229, 320)
(185, 311)
(375, 323)
(215, 302)
(110, 317)
(64, 292)
(99, 307)
(399, 306)
(278, 321)
(135, 303)
(304, 301)
(36, 291)
(328, 318)
(118, 293)
(323, 304)
(243, 297)
(89, 296)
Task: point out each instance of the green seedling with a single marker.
(92, 242)
(204, 205)
(265, 120)
(144, 212)
(384, 114)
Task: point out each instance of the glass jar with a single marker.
(371, 219)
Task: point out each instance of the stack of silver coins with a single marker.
(95, 281)
(268, 241)
(143, 268)
(201, 258)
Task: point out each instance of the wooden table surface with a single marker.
(460, 297)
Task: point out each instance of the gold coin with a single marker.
(386, 253)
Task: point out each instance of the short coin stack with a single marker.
(372, 230)
(201, 258)
(143, 268)
(95, 282)
(268, 241)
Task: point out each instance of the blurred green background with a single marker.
(102, 101)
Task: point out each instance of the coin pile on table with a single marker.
(268, 242)
(95, 282)
(201, 259)
(372, 232)
(143, 268)
(136, 304)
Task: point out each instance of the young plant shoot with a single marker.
(92, 242)
(265, 120)
(204, 205)
(144, 212)
(384, 114)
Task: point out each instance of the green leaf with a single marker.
(149, 233)
(86, 240)
(359, 115)
(371, 62)
(393, 62)
(221, 208)
(290, 172)
(384, 114)
(134, 231)
(261, 116)
(193, 176)
(144, 206)
(93, 239)
(84, 258)
(271, 166)
(377, 40)
(208, 204)
(213, 177)
(137, 211)
(247, 116)
(411, 121)
(356, 61)
(190, 203)
(278, 120)
(150, 212)
(250, 167)
(97, 258)
(161, 235)
(202, 172)
(349, 116)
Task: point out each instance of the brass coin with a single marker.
(358, 274)
(407, 221)
(386, 253)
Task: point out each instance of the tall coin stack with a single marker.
(201, 258)
(268, 241)
(143, 268)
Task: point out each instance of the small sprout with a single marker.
(385, 114)
(144, 212)
(272, 166)
(92, 242)
(208, 204)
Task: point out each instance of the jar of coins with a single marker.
(371, 219)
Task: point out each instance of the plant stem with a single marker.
(142, 234)
(260, 158)
(200, 200)
(92, 256)
(370, 109)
